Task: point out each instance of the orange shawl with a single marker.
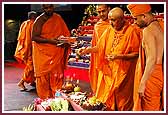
(113, 75)
(24, 45)
(99, 28)
(49, 57)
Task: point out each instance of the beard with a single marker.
(142, 24)
(49, 13)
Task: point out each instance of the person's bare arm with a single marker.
(37, 28)
(150, 52)
(122, 56)
(83, 51)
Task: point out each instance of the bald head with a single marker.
(116, 13)
(116, 18)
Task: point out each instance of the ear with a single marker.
(109, 8)
(144, 15)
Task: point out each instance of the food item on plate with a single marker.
(68, 87)
(93, 104)
(77, 89)
(59, 104)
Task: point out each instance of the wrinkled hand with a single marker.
(61, 38)
(69, 40)
(111, 57)
(141, 89)
(81, 51)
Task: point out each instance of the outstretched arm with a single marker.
(122, 56)
(83, 51)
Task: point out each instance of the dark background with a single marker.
(72, 15)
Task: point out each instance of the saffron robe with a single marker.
(23, 52)
(50, 60)
(115, 80)
(99, 28)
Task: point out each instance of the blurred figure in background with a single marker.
(23, 51)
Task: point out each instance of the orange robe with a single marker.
(154, 87)
(23, 51)
(99, 28)
(116, 78)
(49, 60)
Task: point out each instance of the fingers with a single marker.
(141, 95)
(61, 37)
(81, 51)
(109, 57)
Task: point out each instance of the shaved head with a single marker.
(116, 18)
(116, 13)
(103, 10)
(48, 9)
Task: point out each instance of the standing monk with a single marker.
(99, 28)
(49, 59)
(149, 74)
(118, 51)
(23, 51)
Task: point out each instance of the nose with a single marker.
(48, 9)
(101, 13)
(111, 22)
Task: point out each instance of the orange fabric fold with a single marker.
(116, 77)
(99, 28)
(138, 9)
(23, 52)
(48, 57)
(154, 87)
(24, 41)
(138, 74)
(49, 60)
(153, 91)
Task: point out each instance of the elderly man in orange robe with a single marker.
(148, 88)
(49, 57)
(118, 51)
(23, 51)
(99, 28)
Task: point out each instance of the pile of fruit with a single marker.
(56, 104)
(93, 104)
(68, 87)
(77, 97)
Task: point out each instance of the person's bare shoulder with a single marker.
(40, 18)
(37, 27)
(148, 35)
